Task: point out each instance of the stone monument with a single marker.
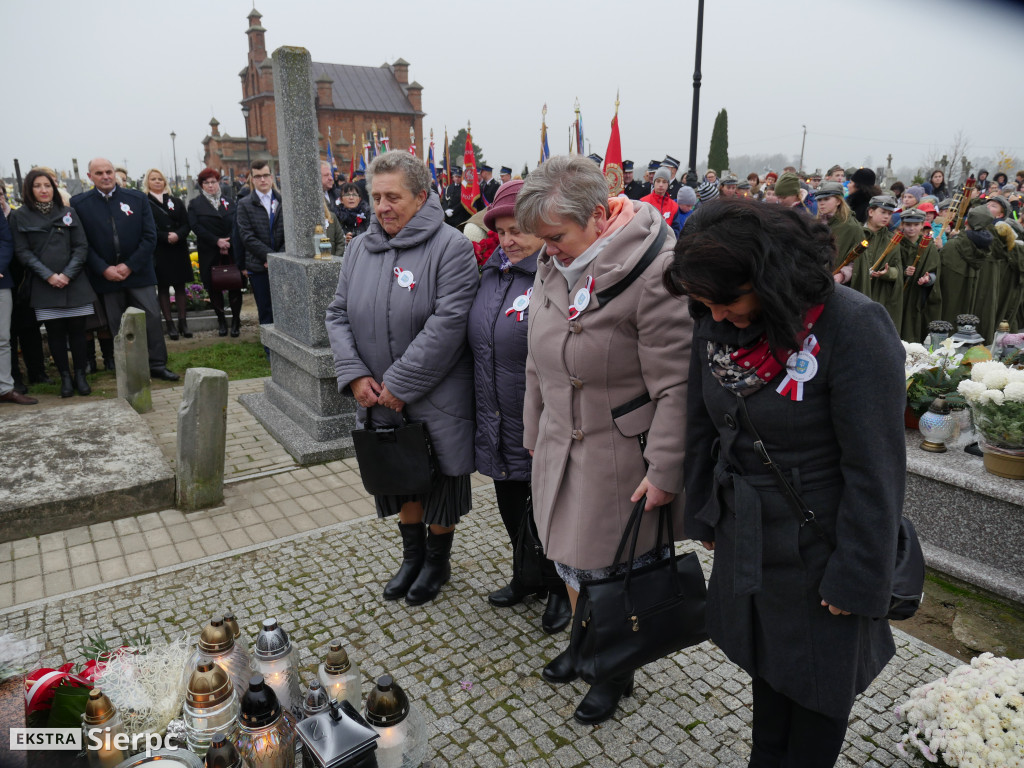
(202, 435)
(131, 361)
(301, 406)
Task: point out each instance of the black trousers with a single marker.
(788, 735)
(511, 496)
(26, 336)
(144, 298)
(65, 332)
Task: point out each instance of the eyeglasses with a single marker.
(261, 175)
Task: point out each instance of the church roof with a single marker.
(364, 89)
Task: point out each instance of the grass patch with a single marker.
(239, 360)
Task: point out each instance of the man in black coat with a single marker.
(632, 188)
(119, 225)
(488, 184)
(261, 228)
(455, 213)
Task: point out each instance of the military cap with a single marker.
(979, 217)
(885, 202)
(653, 165)
(912, 216)
(485, 167)
(829, 189)
(627, 165)
(456, 171)
(506, 170)
(1004, 202)
(671, 162)
(727, 181)
(596, 158)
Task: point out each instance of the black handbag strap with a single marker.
(609, 293)
(796, 502)
(405, 419)
(632, 533)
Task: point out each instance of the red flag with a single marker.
(613, 160)
(470, 183)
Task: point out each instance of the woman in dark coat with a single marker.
(50, 242)
(212, 218)
(805, 618)
(936, 185)
(353, 211)
(397, 328)
(171, 259)
(498, 324)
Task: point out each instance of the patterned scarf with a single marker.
(744, 370)
(44, 208)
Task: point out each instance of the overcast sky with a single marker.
(869, 77)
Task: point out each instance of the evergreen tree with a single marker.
(458, 149)
(718, 154)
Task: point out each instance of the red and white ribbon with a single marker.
(520, 305)
(404, 278)
(801, 366)
(582, 298)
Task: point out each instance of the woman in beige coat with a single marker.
(606, 372)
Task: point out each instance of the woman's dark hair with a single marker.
(347, 187)
(26, 189)
(998, 176)
(898, 188)
(783, 253)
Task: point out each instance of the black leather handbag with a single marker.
(623, 622)
(530, 567)
(908, 575)
(395, 461)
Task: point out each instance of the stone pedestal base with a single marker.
(301, 406)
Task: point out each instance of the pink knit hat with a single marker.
(504, 202)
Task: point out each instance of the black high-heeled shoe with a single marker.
(513, 594)
(183, 328)
(172, 332)
(602, 700)
(560, 669)
(557, 614)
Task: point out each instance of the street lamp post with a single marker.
(803, 143)
(245, 116)
(174, 151)
(696, 91)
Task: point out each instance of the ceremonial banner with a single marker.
(470, 183)
(545, 153)
(613, 159)
(330, 155)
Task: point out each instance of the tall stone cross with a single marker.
(301, 406)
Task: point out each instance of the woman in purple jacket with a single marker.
(497, 337)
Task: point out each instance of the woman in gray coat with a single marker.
(50, 242)
(397, 328)
(775, 338)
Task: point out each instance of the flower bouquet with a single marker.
(973, 718)
(932, 372)
(995, 393)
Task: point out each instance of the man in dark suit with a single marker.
(488, 184)
(118, 223)
(632, 188)
(455, 212)
(261, 228)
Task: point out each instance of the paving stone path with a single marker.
(473, 669)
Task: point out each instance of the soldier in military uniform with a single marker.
(631, 188)
(488, 185)
(648, 183)
(455, 213)
(884, 285)
(505, 174)
(921, 300)
(674, 184)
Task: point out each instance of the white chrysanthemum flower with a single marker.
(993, 396)
(1014, 392)
(1015, 374)
(971, 390)
(979, 370)
(995, 378)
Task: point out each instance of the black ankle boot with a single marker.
(81, 383)
(513, 594)
(436, 569)
(183, 328)
(602, 700)
(558, 612)
(67, 389)
(172, 332)
(414, 537)
(560, 669)
(222, 325)
(236, 325)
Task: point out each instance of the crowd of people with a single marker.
(73, 265)
(614, 356)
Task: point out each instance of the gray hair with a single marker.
(413, 170)
(566, 186)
